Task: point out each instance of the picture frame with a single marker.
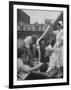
(13, 6)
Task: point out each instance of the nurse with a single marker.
(56, 57)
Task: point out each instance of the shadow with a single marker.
(6, 86)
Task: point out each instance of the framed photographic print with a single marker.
(38, 44)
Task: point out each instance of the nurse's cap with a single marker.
(61, 23)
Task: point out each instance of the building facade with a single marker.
(23, 22)
(22, 17)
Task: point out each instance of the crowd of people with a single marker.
(36, 55)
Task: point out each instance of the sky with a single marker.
(40, 15)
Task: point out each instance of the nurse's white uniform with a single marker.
(56, 58)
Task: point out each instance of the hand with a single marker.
(38, 65)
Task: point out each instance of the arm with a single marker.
(55, 32)
(44, 34)
(48, 49)
(29, 53)
(39, 53)
(27, 69)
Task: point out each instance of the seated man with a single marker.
(23, 67)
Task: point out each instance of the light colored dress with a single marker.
(59, 47)
(56, 58)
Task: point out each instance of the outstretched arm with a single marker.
(27, 69)
(44, 34)
(39, 53)
(49, 26)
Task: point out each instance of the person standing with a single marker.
(56, 57)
